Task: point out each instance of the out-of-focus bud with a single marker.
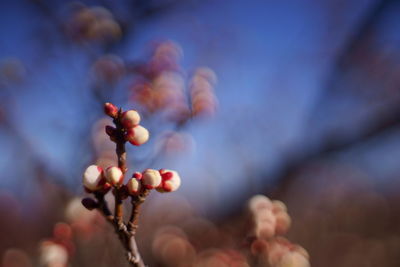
(110, 110)
(202, 94)
(13, 257)
(89, 203)
(265, 223)
(114, 176)
(278, 206)
(259, 202)
(293, 259)
(93, 179)
(52, 254)
(283, 223)
(105, 30)
(151, 178)
(258, 246)
(108, 69)
(134, 186)
(130, 118)
(137, 135)
(62, 231)
(171, 181)
(93, 24)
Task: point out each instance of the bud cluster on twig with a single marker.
(270, 221)
(100, 182)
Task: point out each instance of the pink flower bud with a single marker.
(114, 176)
(137, 135)
(130, 119)
(171, 181)
(134, 186)
(93, 178)
(110, 110)
(151, 178)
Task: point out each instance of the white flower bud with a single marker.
(151, 178)
(130, 119)
(137, 135)
(114, 176)
(134, 186)
(171, 181)
(52, 254)
(93, 178)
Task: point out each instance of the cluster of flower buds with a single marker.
(162, 180)
(270, 219)
(93, 24)
(163, 86)
(97, 180)
(202, 94)
(131, 130)
(280, 252)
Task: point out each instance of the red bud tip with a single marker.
(167, 175)
(137, 175)
(110, 110)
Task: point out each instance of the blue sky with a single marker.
(272, 59)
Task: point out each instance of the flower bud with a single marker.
(265, 224)
(137, 135)
(134, 186)
(111, 132)
(137, 175)
(278, 206)
(53, 254)
(110, 110)
(114, 176)
(151, 178)
(89, 203)
(93, 178)
(259, 202)
(283, 222)
(293, 259)
(171, 181)
(130, 119)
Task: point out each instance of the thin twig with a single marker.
(126, 236)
